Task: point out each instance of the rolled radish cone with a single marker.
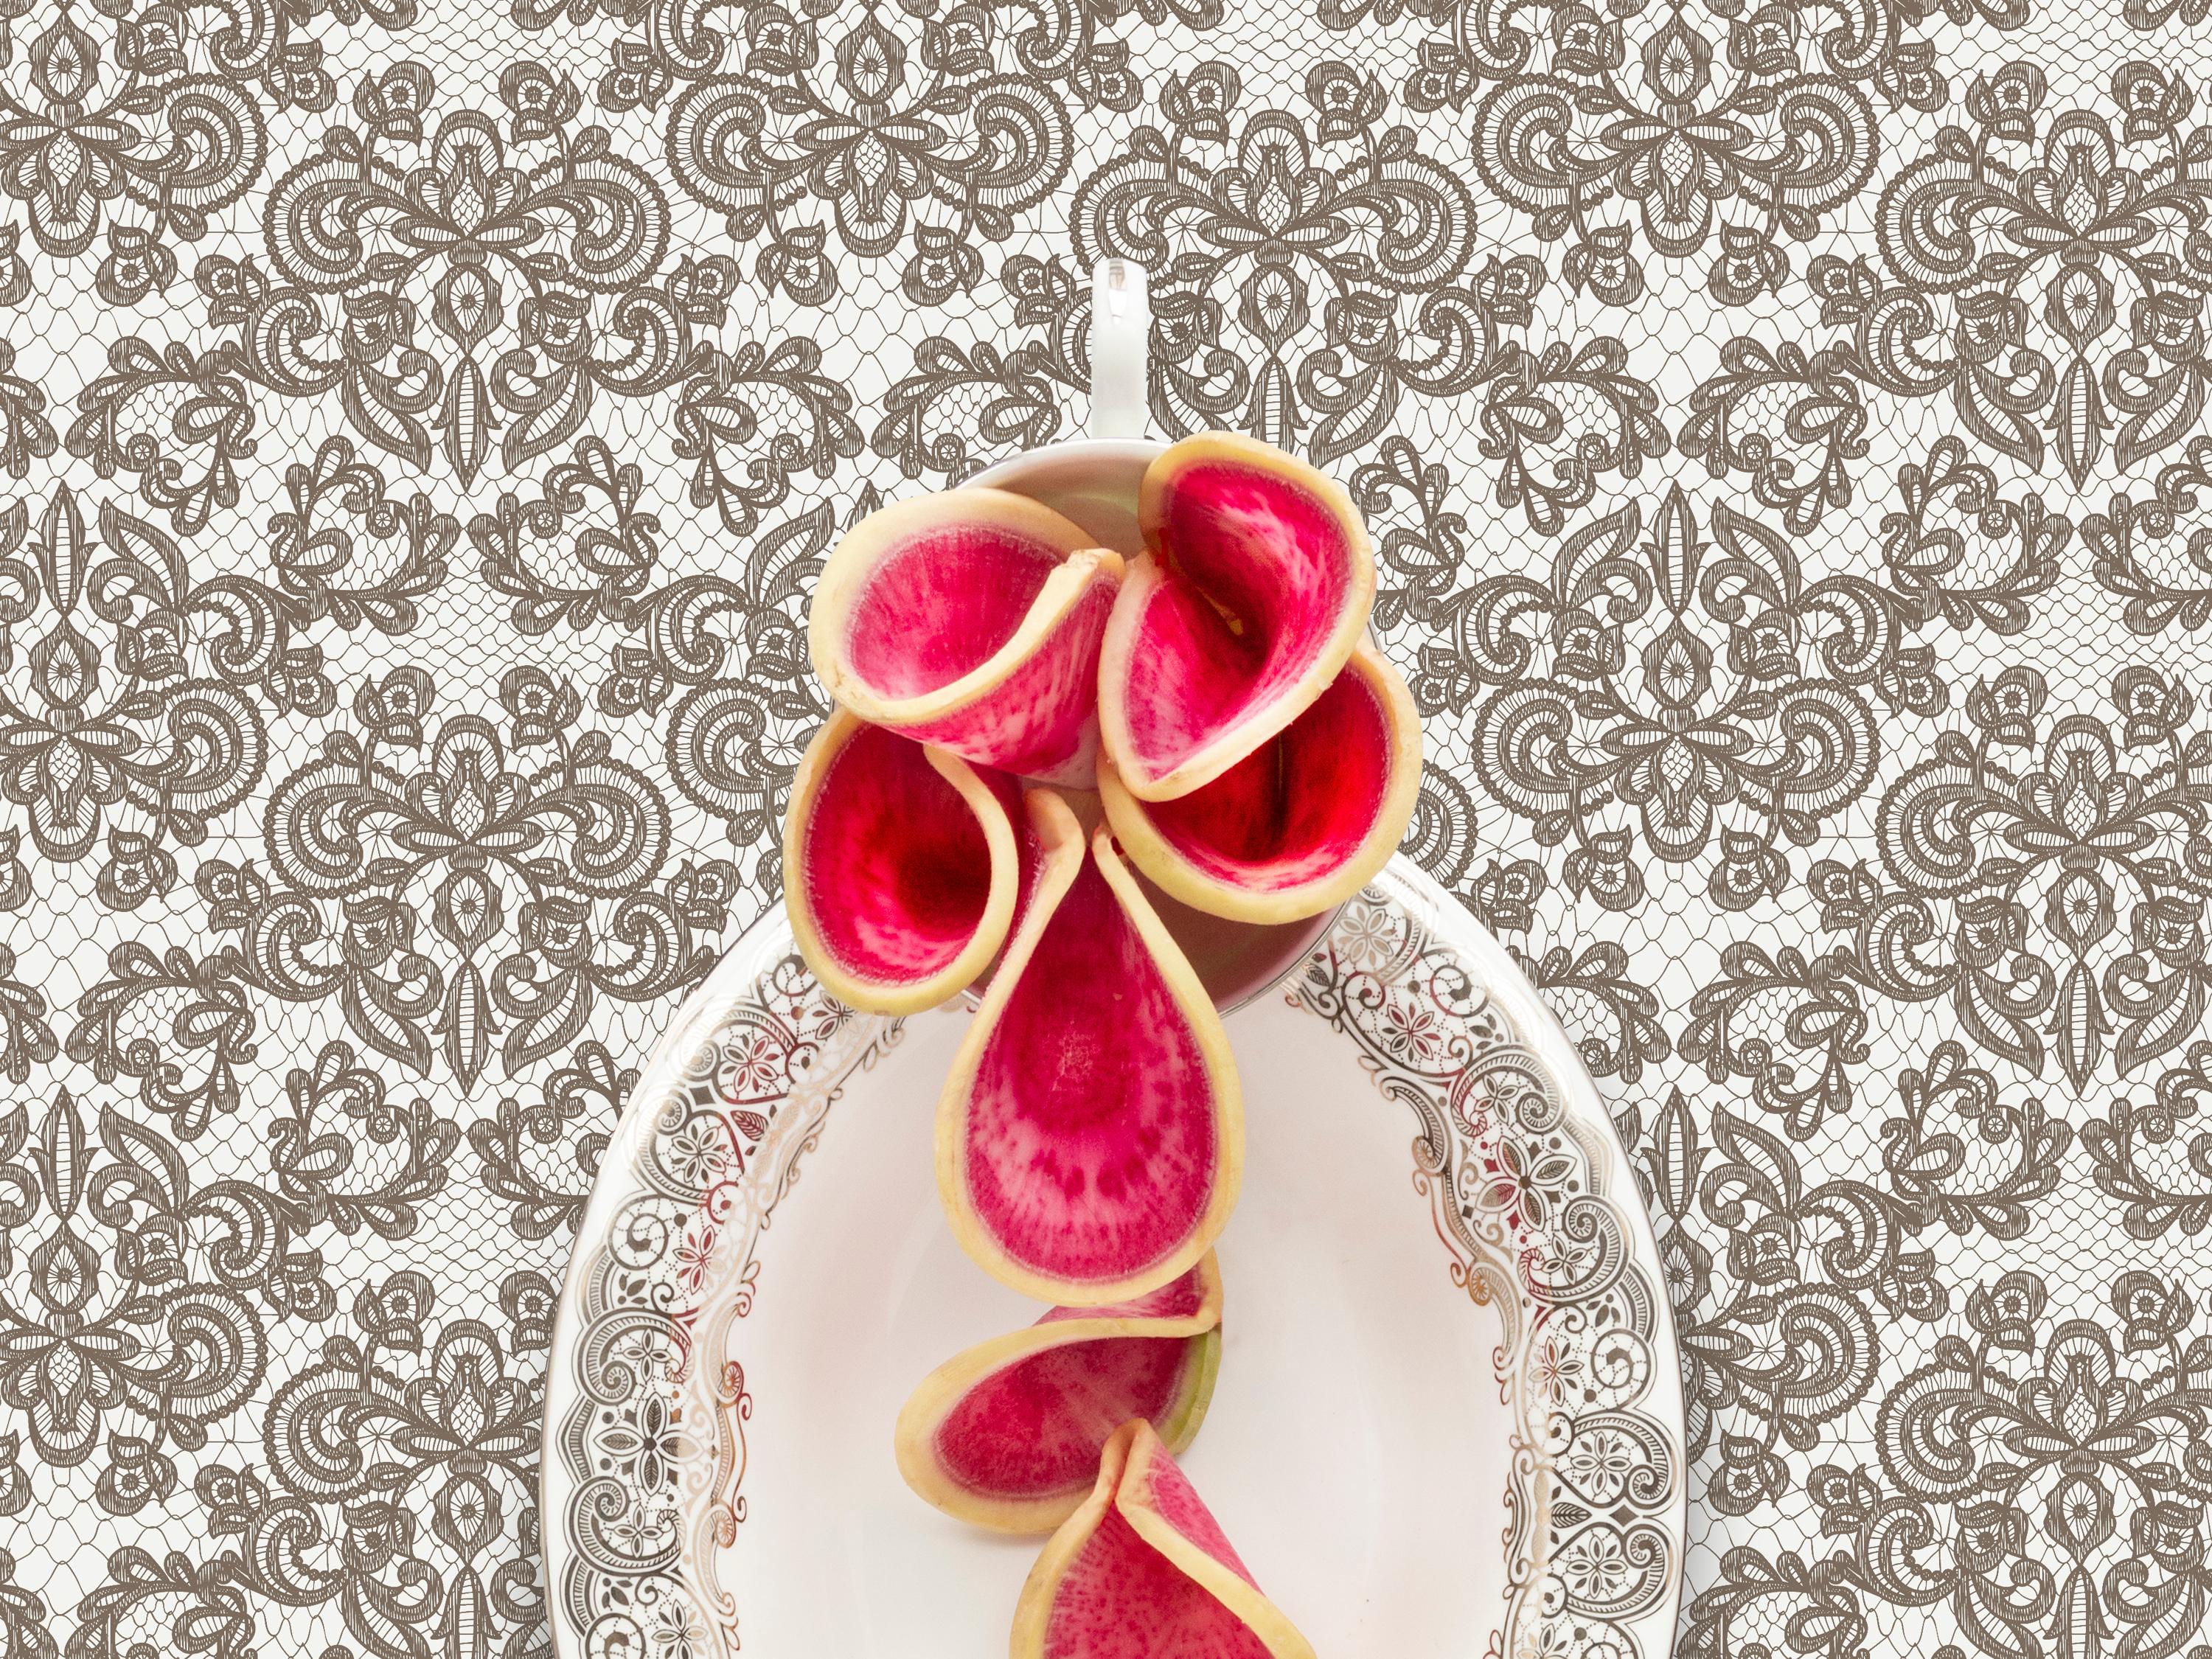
(1256, 586)
(1302, 822)
(1142, 1570)
(903, 867)
(1008, 1434)
(970, 619)
(1091, 1137)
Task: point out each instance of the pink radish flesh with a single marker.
(1296, 808)
(1090, 1143)
(1141, 1571)
(1013, 1433)
(897, 870)
(939, 606)
(1039, 720)
(1179, 1299)
(1123, 1600)
(1169, 1494)
(1273, 557)
(1036, 1427)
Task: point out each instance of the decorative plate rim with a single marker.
(1530, 1186)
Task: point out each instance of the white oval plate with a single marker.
(1449, 1414)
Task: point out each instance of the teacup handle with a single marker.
(1120, 330)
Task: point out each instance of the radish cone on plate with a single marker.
(1142, 1569)
(1008, 1434)
(1302, 822)
(903, 867)
(1091, 1137)
(1256, 586)
(970, 619)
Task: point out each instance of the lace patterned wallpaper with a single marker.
(1785, 424)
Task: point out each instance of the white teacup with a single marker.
(1093, 481)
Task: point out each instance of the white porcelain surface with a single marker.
(1343, 1454)
(1450, 1413)
(1092, 481)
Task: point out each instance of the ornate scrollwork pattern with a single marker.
(1535, 1210)
(1531, 1199)
(423, 423)
(651, 1408)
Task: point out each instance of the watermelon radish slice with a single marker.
(902, 866)
(1255, 587)
(1008, 1434)
(970, 619)
(1302, 822)
(1091, 1137)
(1142, 1571)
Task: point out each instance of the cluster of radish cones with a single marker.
(1029, 733)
